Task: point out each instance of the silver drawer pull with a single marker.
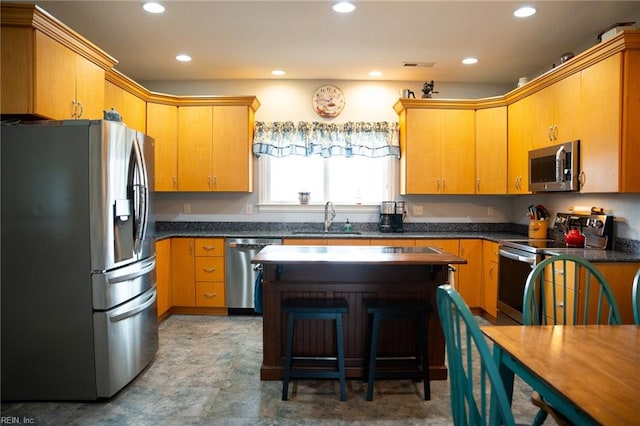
(209, 269)
(210, 295)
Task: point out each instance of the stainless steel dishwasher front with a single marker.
(240, 273)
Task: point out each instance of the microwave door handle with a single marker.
(560, 159)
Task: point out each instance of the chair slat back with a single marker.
(635, 297)
(478, 396)
(568, 290)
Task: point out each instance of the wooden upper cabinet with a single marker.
(214, 147)
(47, 69)
(438, 151)
(162, 126)
(132, 108)
(491, 150)
(520, 141)
(610, 143)
(556, 118)
(232, 164)
(195, 137)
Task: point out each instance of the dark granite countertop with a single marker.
(486, 231)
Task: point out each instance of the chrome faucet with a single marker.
(329, 215)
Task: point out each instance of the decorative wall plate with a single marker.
(328, 101)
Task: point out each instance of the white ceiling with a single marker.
(247, 39)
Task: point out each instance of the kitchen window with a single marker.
(342, 180)
(349, 164)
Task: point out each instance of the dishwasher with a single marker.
(240, 274)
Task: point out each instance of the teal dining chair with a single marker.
(465, 345)
(635, 297)
(566, 290)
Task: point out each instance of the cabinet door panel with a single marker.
(90, 92)
(521, 129)
(162, 125)
(600, 112)
(232, 161)
(195, 126)
(55, 85)
(17, 70)
(183, 272)
(132, 109)
(458, 152)
(490, 277)
(491, 150)
(423, 151)
(470, 275)
(163, 272)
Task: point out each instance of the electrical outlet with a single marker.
(248, 209)
(186, 208)
(417, 211)
(490, 211)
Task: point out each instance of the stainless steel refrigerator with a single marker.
(78, 259)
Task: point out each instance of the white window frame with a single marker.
(265, 206)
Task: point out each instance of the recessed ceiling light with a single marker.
(278, 72)
(183, 58)
(470, 61)
(375, 74)
(343, 7)
(524, 12)
(153, 7)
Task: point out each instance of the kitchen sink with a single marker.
(326, 233)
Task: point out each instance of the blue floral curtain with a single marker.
(284, 138)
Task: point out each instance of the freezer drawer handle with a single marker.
(144, 269)
(135, 310)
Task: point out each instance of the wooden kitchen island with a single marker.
(353, 273)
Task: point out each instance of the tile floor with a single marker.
(207, 373)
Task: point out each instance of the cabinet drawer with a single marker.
(210, 294)
(563, 303)
(561, 274)
(209, 269)
(209, 247)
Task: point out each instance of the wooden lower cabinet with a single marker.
(620, 275)
(197, 274)
(183, 275)
(163, 276)
(470, 275)
(490, 256)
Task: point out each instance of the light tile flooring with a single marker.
(207, 373)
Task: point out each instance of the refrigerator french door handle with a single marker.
(144, 305)
(142, 209)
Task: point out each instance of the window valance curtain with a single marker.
(368, 139)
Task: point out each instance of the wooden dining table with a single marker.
(591, 373)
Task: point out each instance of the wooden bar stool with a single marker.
(416, 310)
(323, 309)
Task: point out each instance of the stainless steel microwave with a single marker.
(554, 168)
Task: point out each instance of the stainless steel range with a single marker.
(519, 256)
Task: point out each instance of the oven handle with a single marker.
(531, 260)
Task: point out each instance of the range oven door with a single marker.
(514, 268)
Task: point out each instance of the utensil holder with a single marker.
(537, 229)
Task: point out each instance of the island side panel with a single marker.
(354, 283)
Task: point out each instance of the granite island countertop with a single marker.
(355, 255)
